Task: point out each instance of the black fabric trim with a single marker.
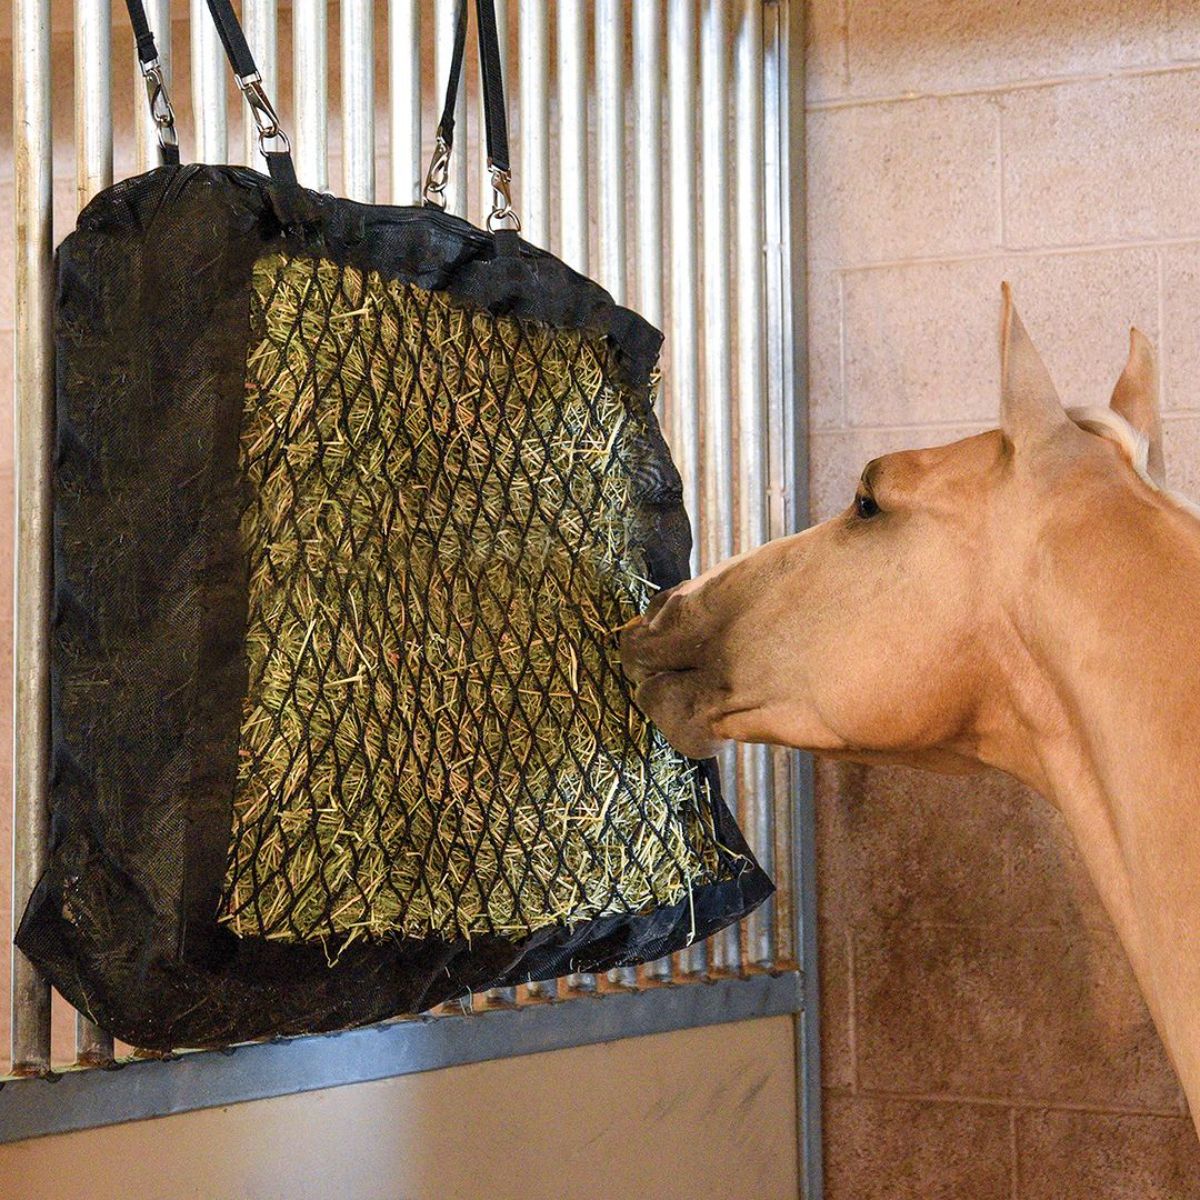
(148, 672)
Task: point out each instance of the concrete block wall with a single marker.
(983, 1034)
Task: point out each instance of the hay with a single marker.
(437, 738)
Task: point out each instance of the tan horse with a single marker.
(1028, 599)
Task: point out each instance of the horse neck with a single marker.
(1116, 710)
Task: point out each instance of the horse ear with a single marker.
(1136, 398)
(1029, 406)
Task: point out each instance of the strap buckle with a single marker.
(438, 174)
(502, 210)
(161, 112)
(263, 111)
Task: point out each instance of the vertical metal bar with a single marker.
(683, 379)
(208, 87)
(93, 98)
(456, 181)
(310, 94)
(648, 228)
(533, 30)
(717, 515)
(358, 100)
(572, 134)
(782, 84)
(93, 173)
(533, 184)
(757, 805)
(647, 145)
(158, 13)
(572, 182)
(610, 144)
(404, 94)
(610, 189)
(260, 18)
(33, 396)
(485, 176)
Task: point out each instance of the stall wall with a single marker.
(707, 1114)
(983, 1036)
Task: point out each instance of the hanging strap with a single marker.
(161, 112)
(273, 143)
(272, 140)
(495, 120)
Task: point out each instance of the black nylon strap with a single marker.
(495, 119)
(237, 50)
(147, 51)
(445, 129)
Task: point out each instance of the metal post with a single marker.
(310, 96)
(158, 13)
(572, 134)
(209, 79)
(358, 100)
(404, 92)
(93, 173)
(456, 180)
(683, 378)
(717, 517)
(610, 193)
(260, 18)
(93, 98)
(33, 396)
(647, 161)
(757, 808)
(534, 113)
(573, 184)
(610, 144)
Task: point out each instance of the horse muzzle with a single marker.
(667, 654)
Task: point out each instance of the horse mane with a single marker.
(1135, 446)
(1107, 423)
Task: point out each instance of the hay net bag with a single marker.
(348, 503)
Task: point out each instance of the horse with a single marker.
(1026, 599)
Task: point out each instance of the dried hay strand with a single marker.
(437, 739)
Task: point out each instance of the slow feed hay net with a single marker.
(437, 738)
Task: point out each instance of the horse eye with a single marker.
(865, 506)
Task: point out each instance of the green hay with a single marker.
(437, 738)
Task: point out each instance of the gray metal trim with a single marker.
(793, 159)
(86, 1098)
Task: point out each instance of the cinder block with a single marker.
(922, 341)
(1094, 1156)
(1179, 348)
(837, 1061)
(902, 846)
(1045, 1015)
(825, 403)
(825, 49)
(903, 180)
(1102, 161)
(944, 45)
(1181, 443)
(883, 1149)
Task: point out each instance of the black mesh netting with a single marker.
(442, 540)
(349, 504)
